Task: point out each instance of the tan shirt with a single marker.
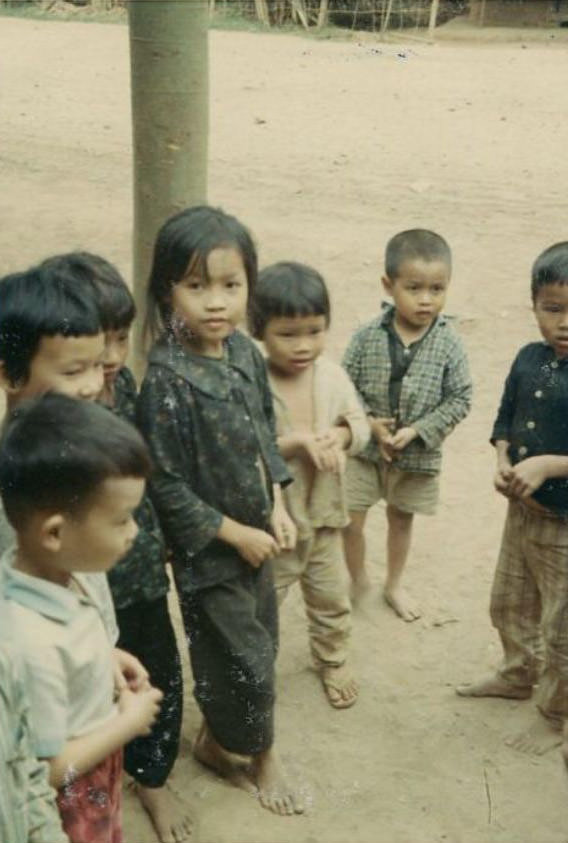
(318, 499)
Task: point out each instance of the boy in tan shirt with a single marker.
(319, 419)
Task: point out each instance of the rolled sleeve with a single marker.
(503, 423)
(353, 415)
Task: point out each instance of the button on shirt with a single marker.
(533, 416)
(67, 652)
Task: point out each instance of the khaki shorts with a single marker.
(368, 482)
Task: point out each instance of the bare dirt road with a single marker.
(325, 149)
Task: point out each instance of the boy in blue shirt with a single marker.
(529, 598)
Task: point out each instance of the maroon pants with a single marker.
(90, 806)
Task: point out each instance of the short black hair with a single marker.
(185, 240)
(115, 301)
(56, 451)
(41, 303)
(288, 289)
(551, 267)
(415, 244)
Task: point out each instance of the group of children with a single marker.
(260, 470)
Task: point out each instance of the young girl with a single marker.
(206, 410)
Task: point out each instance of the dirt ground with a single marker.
(325, 149)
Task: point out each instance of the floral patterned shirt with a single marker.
(210, 427)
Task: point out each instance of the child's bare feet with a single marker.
(171, 820)
(273, 791)
(212, 755)
(339, 686)
(541, 737)
(401, 604)
(494, 686)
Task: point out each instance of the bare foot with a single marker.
(494, 686)
(171, 821)
(360, 589)
(273, 791)
(401, 603)
(340, 687)
(212, 755)
(540, 738)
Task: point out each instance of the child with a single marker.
(530, 588)
(319, 419)
(28, 810)
(51, 339)
(71, 475)
(411, 372)
(139, 582)
(206, 410)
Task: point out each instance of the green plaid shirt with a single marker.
(435, 394)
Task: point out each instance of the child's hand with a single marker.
(129, 672)
(254, 545)
(503, 477)
(402, 438)
(382, 432)
(527, 476)
(381, 429)
(284, 528)
(140, 709)
(322, 450)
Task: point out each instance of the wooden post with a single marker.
(386, 18)
(433, 16)
(170, 112)
(322, 14)
(482, 13)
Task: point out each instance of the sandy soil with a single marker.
(325, 150)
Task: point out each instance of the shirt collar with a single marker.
(213, 377)
(47, 598)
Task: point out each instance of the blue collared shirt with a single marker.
(67, 653)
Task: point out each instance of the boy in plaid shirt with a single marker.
(411, 372)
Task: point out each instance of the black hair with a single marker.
(56, 451)
(415, 244)
(41, 303)
(115, 301)
(185, 240)
(287, 289)
(551, 267)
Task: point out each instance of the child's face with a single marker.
(95, 540)
(70, 365)
(117, 344)
(551, 311)
(208, 310)
(419, 292)
(292, 343)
